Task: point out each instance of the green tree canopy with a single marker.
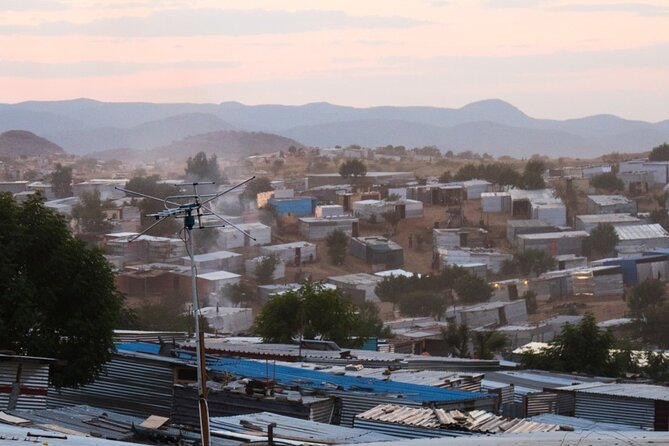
(646, 297)
(497, 173)
(90, 213)
(456, 340)
(57, 296)
(488, 342)
(337, 243)
(255, 186)
(533, 175)
(61, 181)
(265, 269)
(602, 241)
(151, 186)
(607, 181)
(660, 153)
(530, 261)
(316, 312)
(201, 168)
(581, 348)
(353, 168)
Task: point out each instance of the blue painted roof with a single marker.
(311, 379)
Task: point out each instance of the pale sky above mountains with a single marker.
(551, 58)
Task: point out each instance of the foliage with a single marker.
(240, 293)
(530, 298)
(90, 215)
(661, 217)
(265, 269)
(530, 261)
(428, 151)
(431, 294)
(255, 186)
(61, 181)
(392, 218)
(337, 243)
(533, 174)
(497, 173)
(607, 181)
(660, 153)
(199, 168)
(446, 177)
(392, 150)
(150, 186)
(316, 312)
(581, 348)
(353, 168)
(205, 240)
(602, 241)
(646, 297)
(173, 312)
(487, 343)
(456, 339)
(57, 297)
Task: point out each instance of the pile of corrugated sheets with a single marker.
(474, 421)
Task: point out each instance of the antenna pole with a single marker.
(199, 345)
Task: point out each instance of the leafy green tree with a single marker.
(533, 174)
(602, 241)
(392, 218)
(581, 348)
(424, 303)
(661, 217)
(240, 294)
(607, 181)
(57, 296)
(256, 186)
(488, 342)
(530, 298)
(265, 269)
(646, 297)
(313, 310)
(337, 243)
(660, 153)
(470, 288)
(172, 312)
(368, 324)
(61, 181)
(456, 340)
(446, 177)
(201, 168)
(90, 213)
(535, 261)
(353, 168)
(151, 186)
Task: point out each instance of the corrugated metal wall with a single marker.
(128, 385)
(404, 431)
(33, 385)
(628, 411)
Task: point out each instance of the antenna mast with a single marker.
(192, 208)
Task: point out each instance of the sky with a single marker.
(554, 59)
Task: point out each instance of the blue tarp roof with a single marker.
(315, 380)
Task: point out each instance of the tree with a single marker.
(470, 288)
(265, 269)
(240, 293)
(90, 215)
(61, 181)
(646, 297)
(530, 298)
(487, 343)
(57, 296)
(660, 153)
(424, 303)
(535, 261)
(313, 311)
(151, 186)
(256, 186)
(602, 240)
(199, 168)
(172, 312)
(533, 174)
(392, 218)
(607, 181)
(337, 243)
(353, 168)
(581, 348)
(456, 339)
(446, 177)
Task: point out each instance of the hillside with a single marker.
(494, 126)
(226, 144)
(16, 143)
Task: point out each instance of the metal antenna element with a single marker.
(192, 207)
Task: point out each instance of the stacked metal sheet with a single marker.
(446, 423)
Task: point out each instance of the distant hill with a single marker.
(226, 144)
(493, 126)
(15, 143)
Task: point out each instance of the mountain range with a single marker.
(86, 126)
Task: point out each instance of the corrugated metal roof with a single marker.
(309, 379)
(473, 421)
(640, 232)
(607, 218)
(623, 390)
(580, 424)
(609, 200)
(554, 235)
(293, 429)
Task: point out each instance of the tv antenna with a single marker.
(191, 208)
